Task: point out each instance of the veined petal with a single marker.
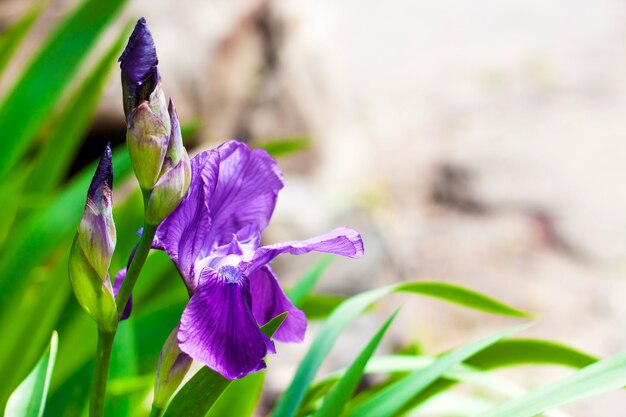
(218, 328)
(245, 193)
(341, 241)
(269, 301)
(183, 233)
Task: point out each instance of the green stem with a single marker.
(103, 358)
(156, 411)
(135, 267)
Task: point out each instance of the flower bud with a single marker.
(147, 138)
(175, 178)
(172, 368)
(93, 248)
(138, 63)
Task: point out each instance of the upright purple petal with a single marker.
(245, 193)
(269, 301)
(183, 233)
(341, 241)
(218, 329)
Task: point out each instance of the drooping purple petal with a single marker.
(218, 328)
(341, 241)
(139, 60)
(245, 193)
(269, 301)
(183, 233)
(117, 284)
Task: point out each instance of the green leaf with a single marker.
(13, 35)
(46, 77)
(38, 316)
(607, 374)
(63, 137)
(461, 296)
(49, 227)
(395, 396)
(29, 399)
(197, 396)
(284, 146)
(530, 351)
(240, 398)
(339, 396)
(307, 283)
(353, 307)
(320, 306)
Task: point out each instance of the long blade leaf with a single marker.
(352, 308)
(339, 396)
(394, 397)
(607, 374)
(27, 106)
(29, 399)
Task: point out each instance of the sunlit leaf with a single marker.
(29, 399)
(353, 307)
(339, 396)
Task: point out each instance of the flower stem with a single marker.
(135, 267)
(103, 358)
(156, 411)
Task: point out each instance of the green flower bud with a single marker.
(147, 138)
(93, 247)
(175, 178)
(172, 368)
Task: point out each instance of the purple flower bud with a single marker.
(172, 368)
(93, 248)
(138, 62)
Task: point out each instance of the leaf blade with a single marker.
(29, 399)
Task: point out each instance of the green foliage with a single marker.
(29, 399)
(45, 115)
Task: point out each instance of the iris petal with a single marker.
(245, 194)
(341, 241)
(269, 301)
(218, 328)
(183, 233)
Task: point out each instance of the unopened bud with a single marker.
(172, 368)
(93, 248)
(147, 138)
(138, 63)
(175, 178)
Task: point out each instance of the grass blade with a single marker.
(46, 77)
(391, 399)
(604, 375)
(29, 399)
(55, 156)
(352, 308)
(339, 396)
(307, 283)
(13, 36)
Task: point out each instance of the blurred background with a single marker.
(480, 143)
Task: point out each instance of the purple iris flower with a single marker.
(214, 239)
